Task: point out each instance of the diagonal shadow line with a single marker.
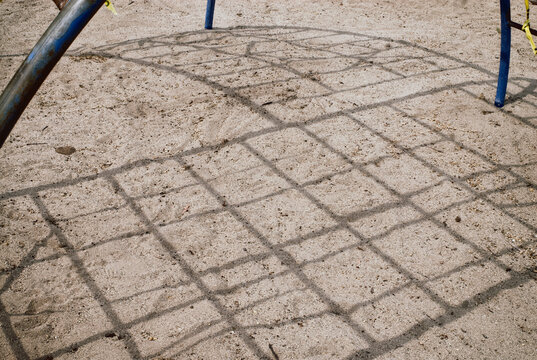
(352, 309)
(457, 236)
(500, 167)
(356, 57)
(381, 82)
(199, 329)
(423, 48)
(404, 198)
(352, 217)
(435, 297)
(14, 55)
(186, 268)
(129, 234)
(452, 314)
(373, 55)
(443, 173)
(13, 339)
(192, 64)
(286, 258)
(151, 316)
(342, 91)
(527, 90)
(523, 119)
(425, 59)
(26, 261)
(286, 67)
(416, 331)
(238, 286)
(5, 321)
(455, 179)
(358, 215)
(26, 314)
(362, 45)
(84, 275)
(366, 36)
(241, 71)
(517, 205)
(225, 291)
(301, 239)
(246, 102)
(90, 213)
(258, 109)
(274, 65)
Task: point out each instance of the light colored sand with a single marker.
(328, 180)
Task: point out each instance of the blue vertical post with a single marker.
(46, 53)
(210, 14)
(505, 52)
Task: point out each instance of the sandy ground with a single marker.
(311, 180)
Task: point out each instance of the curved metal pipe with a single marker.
(46, 53)
(505, 52)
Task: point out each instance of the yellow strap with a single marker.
(526, 28)
(110, 7)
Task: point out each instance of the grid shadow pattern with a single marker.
(347, 221)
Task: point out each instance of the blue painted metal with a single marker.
(210, 14)
(46, 53)
(505, 52)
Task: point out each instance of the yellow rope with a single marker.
(526, 28)
(110, 7)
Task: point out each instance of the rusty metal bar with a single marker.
(519, 27)
(60, 3)
(46, 53)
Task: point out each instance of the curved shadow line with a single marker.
(248, 103)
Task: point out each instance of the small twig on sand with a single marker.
(36, 143)
(185, 210)
(273, 352)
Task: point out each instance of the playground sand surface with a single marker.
(310, 180)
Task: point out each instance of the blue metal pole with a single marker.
(46, 53)
(505, 53)
(210, 14)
